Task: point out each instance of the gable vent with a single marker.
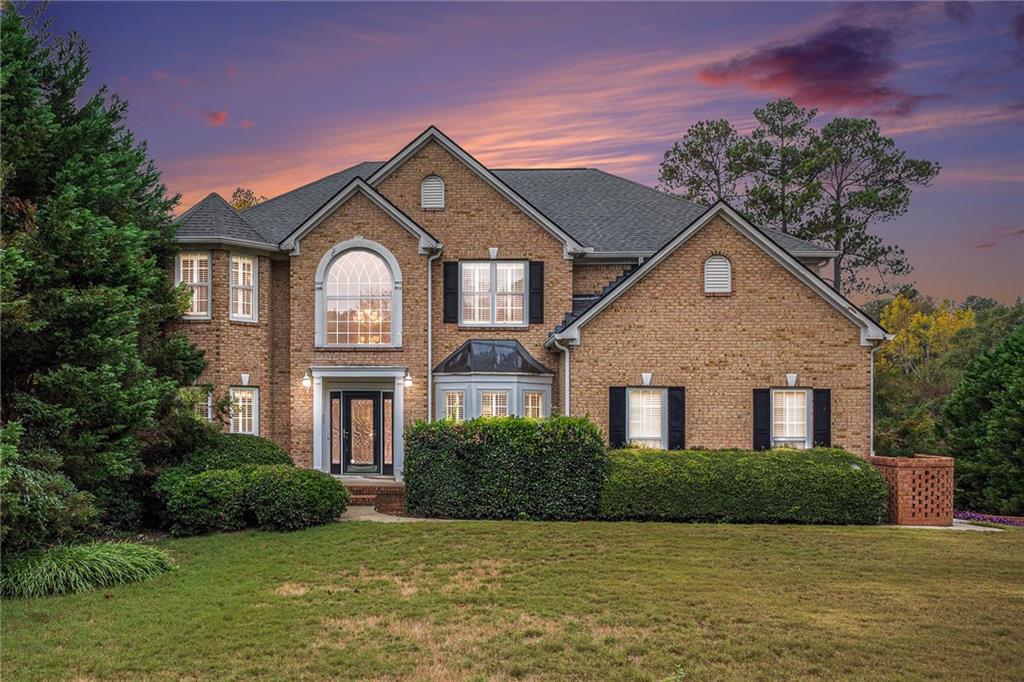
(432, 192)
(717, 275)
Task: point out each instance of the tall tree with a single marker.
(243, 198)
(865, 180)
(783, 182)
(706, 164)
(86, 247)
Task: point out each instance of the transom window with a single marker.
(194, 270)
(791, 418)
(243, 288)
(717, 275)
(245, 409)
(533, 404)
(494, 404)
(646, 417)
(358, 293)
(454, 405)
(493, 293)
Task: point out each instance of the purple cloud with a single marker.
(960, 12)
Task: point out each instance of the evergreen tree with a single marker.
(87, 245)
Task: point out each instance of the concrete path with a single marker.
(957, 525)
(367, 513)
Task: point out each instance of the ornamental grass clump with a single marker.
(77, 568)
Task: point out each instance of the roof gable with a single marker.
(870, 330)
(215, 220)
(358, 185)
(570, 243)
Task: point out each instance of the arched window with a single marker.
(432, 192)
(358, 296)
(717, 275)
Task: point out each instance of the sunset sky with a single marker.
(273, 95)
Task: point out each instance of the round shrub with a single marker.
(76, 568)
(206, 502)
(233, 450)
(285, 498)
(823, 485)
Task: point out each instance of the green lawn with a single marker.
(496, 600)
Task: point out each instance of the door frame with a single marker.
(347, 465)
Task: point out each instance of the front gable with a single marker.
(764, 276)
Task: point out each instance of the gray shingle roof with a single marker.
(603, 211)
(501, 356)
(215, 218)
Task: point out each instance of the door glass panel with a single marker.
(361, 429)
(387, 431)
(336, 431)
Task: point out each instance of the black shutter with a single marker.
(762, 418)
(451, 291)
(677, 418)
(616, 416)
(822, 417)
(536, 292)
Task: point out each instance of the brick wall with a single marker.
(591, 279)
(721, 348)
(920, 489)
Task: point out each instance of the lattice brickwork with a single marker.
(920, 489)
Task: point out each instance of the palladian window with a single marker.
(357, 294)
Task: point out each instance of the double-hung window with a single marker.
(194, 271)
(791, 418)
(645, 421)
(533, 404)
(494, 403)
(493, 293)
(244, 304)
(245, 409)
(455, 405)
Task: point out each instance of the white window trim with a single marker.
(728, 272)
(423, 203)
(471, 384)
(508, 400)
(320, 293)
(545, 409)
(255, 288)
(664, 413)
(808, 440)
(255, 409)
(209, 282)
(462, 404)
(494, 296)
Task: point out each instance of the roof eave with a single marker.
(226, 241)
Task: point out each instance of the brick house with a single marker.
(430, 287)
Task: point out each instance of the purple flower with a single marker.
(975, 516)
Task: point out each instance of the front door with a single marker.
(361, 437)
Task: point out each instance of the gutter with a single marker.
(565, 372)
(430, 335)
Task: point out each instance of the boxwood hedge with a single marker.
(504, 468)
(232, 450)
(823, 485)
(207, 502)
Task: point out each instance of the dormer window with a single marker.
(432, 192)
(717, 275)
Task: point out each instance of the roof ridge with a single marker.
(311, 182)
(551, 168)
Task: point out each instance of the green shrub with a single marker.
(282, 497)
(504, 468)
(40, 505)
(233, 450)
(206, 502)
(76, 568)
(822, 485)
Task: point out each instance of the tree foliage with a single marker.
(707, 164)
(243, 198)
(87, 244)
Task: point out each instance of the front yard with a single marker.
(545, 601)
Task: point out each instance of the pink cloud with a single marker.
(215, 119)
(165, 76)
(245, 123)
(984, 245)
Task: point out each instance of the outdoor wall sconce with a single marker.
(646, 377)
(408, 379)
(791, 379)
(306, 381)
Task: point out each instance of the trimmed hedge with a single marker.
(76, 568)
(504, 468)
(233, 450)
(268, 496)
(823, 485)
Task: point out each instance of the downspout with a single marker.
(430, 334)
(565, 373)
(871, 421)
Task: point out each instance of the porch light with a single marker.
(306, 380)
(408, 379)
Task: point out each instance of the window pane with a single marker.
(389, 436)
(789, 416)
(532, 404)
(476, 308)
(476, 277)
(645, 418)
(241, 271)
(243, 410)
(494, 404)
(511, 277)
(200, 304)
(453, 405)
(358, 290)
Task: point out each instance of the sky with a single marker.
(273, 95)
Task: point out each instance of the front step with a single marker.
(362, 500)
(387, 497)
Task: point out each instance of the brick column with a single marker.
(920, 489)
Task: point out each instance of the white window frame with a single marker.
(255, 288)
(718, 288)
(630, 437)
(493, 319)
(423, 197)
(782, 441)
(461, 416)
(255, 409)
(178, 273)
(495, 391)
(540, 404)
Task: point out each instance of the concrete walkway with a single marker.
(367, 513)
(957, 525)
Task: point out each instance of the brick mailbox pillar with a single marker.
(920, 489)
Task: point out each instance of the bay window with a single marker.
(493, 293)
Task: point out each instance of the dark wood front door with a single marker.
(361, 437)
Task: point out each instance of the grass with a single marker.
(78, 568)
(506, 600)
